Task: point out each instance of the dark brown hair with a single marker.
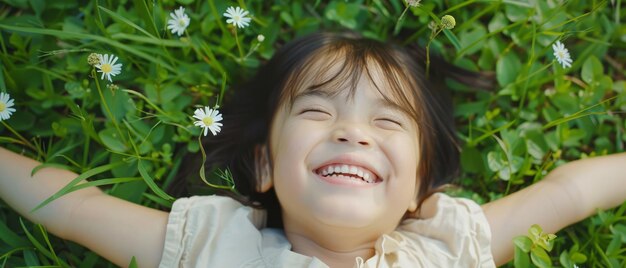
(248, 112)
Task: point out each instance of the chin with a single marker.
(348, 214)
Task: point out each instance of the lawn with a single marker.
(555, 68)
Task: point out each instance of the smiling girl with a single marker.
(338, 146)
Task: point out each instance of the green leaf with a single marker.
(344, 13)
(578, 257)
(619, 230)
(534, 232)
(111, 139)
(522, 242)
(592, 69)
(9, 237)
(30, 258)
(494, 161)
(471, 159)
(507, 69)
(614, 246)
(497, 22)
(517, 10)
(540, 257)
(453, 39)
(473, 40)
(565, 260)
(521, 259)
(38, 6)
(133, 263)
(118, 102)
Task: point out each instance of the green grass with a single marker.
(131, 139)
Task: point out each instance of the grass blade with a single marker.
(81, 177)
(125, 20)
(97, 38)
(148, 179)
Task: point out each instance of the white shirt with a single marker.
(217, 231)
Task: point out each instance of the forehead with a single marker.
(336, 71)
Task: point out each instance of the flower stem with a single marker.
(203, 175)
(396, 29)
(238, 46)
(21, 138)
(106, 106)
(432, 36)
(252, 50)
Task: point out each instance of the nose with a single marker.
(351, 134)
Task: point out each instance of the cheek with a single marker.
(291, 148)
(403, 152)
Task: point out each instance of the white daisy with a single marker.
(562, 54)
(237, 17)
(209, 119)
(5, 106)
(108, 67)
(178, 22)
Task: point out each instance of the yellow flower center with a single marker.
(236, 18)
(207, 121)
(2, 107)
(106, 68)
(181, 23)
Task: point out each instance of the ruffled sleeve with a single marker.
(458, 235)
(207, 230)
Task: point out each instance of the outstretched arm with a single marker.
(568, 194)
(113, 228)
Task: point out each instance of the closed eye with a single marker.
(389, 123)
(315, 114)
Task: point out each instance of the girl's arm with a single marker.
(113, 228)
(568, 194)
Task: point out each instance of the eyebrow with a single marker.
(312, 92)
(388, 104)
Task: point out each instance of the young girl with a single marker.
(338, 145)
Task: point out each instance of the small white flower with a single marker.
(562, 54)
(209, 119)
(237, 17)
(260, 37)
(413, 3)
(108, 67)
(178, 22)
(5, 106)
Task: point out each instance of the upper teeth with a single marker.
(364, 174)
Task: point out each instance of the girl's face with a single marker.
(344, 161)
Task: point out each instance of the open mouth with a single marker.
(344, 171)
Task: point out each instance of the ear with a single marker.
(413, 206)
(413, 203)
(263, 168)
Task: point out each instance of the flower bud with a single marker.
(93, 59)
(448, 22)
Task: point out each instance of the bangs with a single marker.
(338, 67)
